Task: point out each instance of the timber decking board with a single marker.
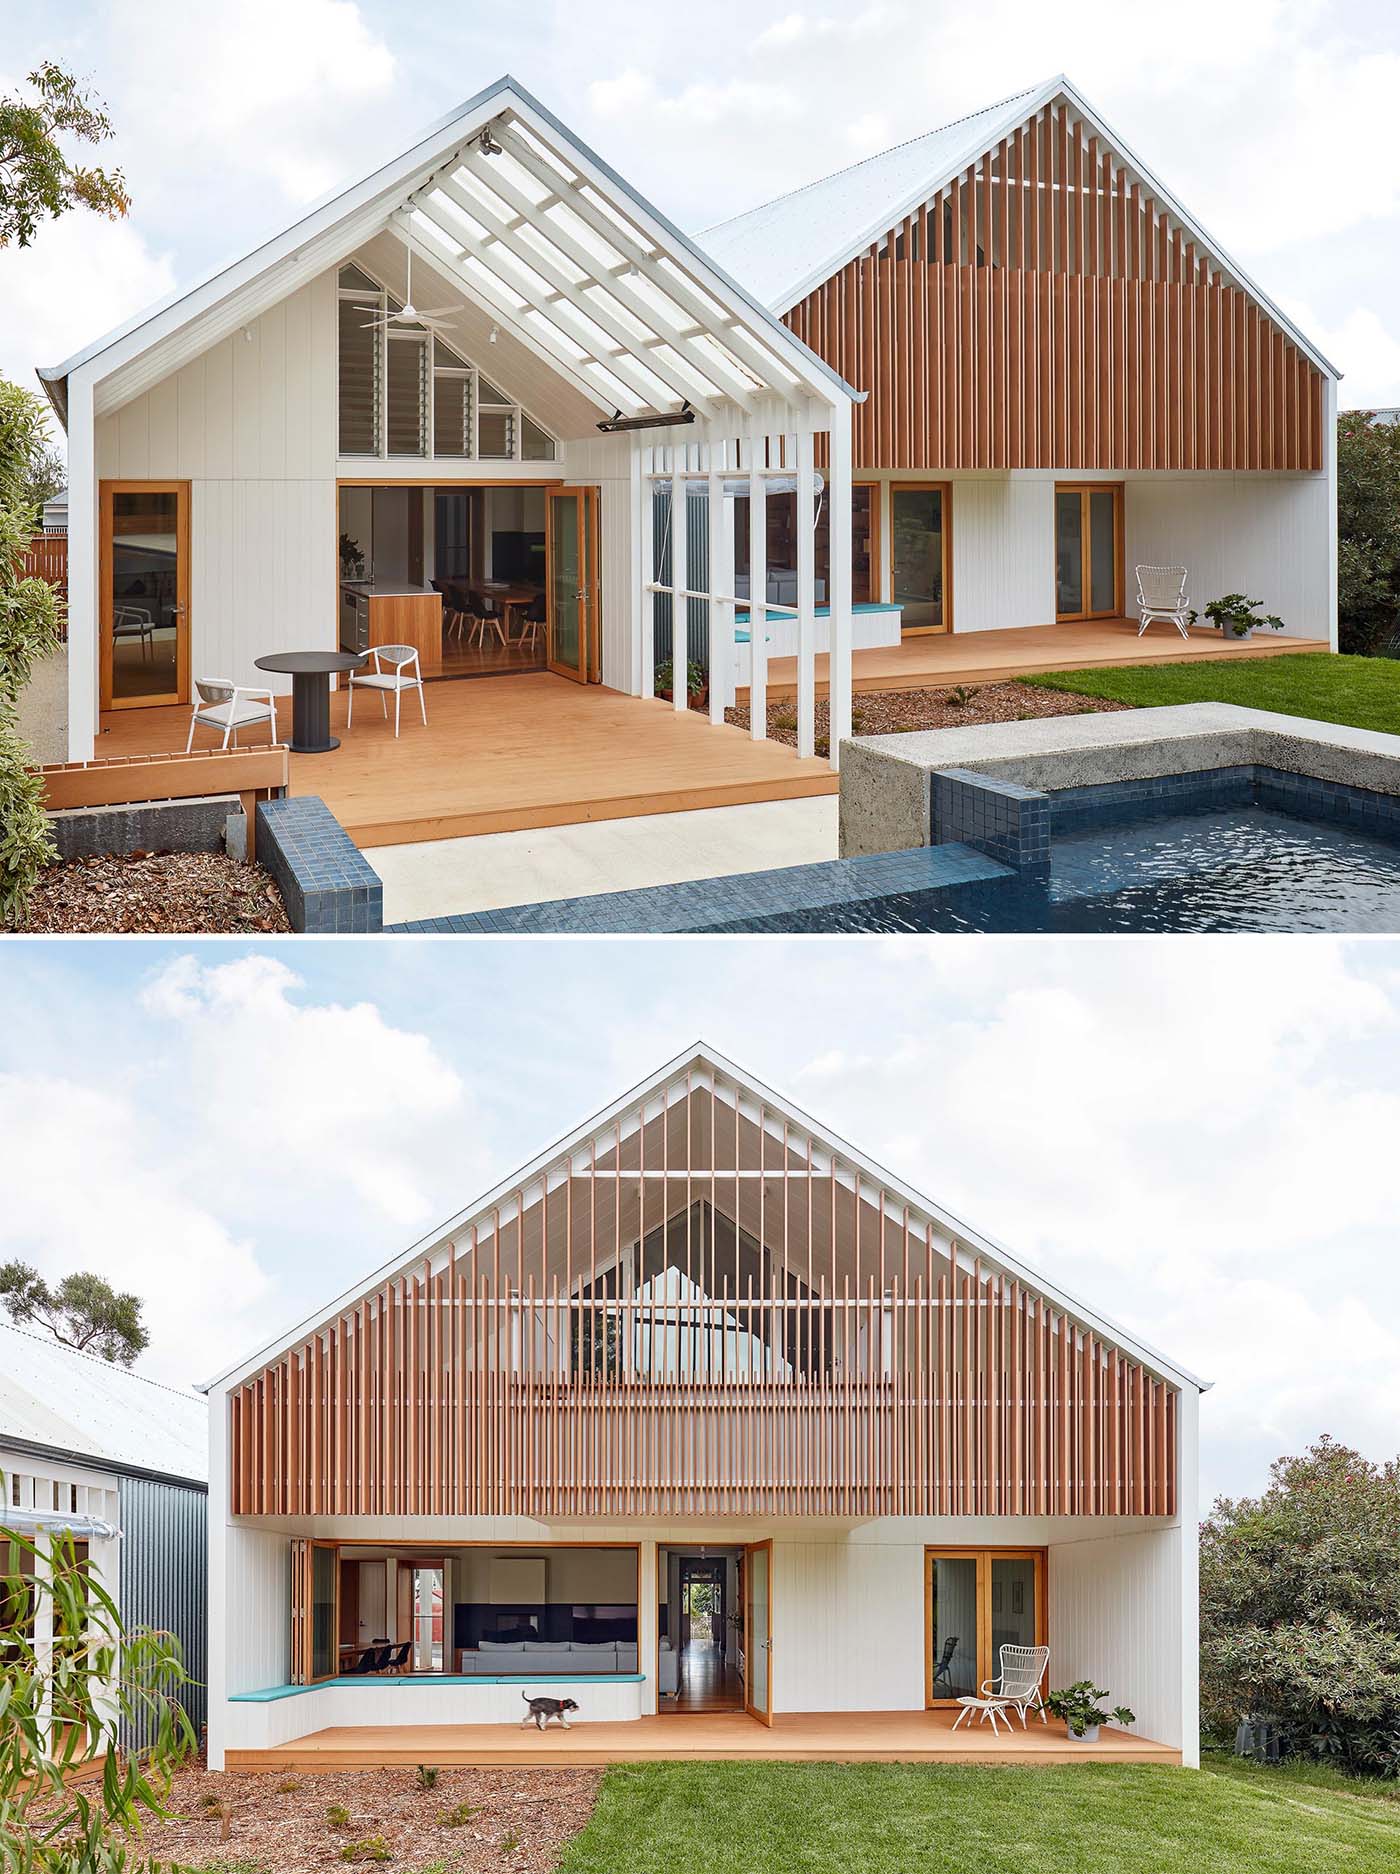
(518, 751)
(732, 1737)
(920, 662)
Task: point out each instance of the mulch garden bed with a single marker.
(899, 712)
(510, 1821)
(179, 892)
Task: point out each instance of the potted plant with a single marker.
(352, 560)
(697, 688)
(1237, 616)
(1079, 1706)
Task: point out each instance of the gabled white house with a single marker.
(701, 1411)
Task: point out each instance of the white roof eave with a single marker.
(702, 1054)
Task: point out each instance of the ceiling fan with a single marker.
(411, 314)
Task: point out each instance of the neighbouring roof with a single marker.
(74, 1403)
(705, 1058)
(784, 249)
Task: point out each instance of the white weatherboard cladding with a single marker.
(1266, 535)
(1003, 551)
(1115, 1618)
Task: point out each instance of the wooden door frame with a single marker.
(590, 646)
(105, 491)
(984, 1556)
(1084, 490)
(766, 1715)
(945, 489)
(303, 1610)
(877, 540)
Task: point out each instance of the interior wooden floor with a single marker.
(706, 1682)
(793, 1737)
(918, 663)
(519, 751)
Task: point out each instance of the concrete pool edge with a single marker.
(887, 781)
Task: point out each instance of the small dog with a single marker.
(539, 1711)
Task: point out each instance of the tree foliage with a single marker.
(64, 1701)
(1368, 533)
(83, 1311)
(29, 630)
(1300, 1607)
(37, 179)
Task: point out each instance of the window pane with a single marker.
(355, 280)
(535, 446)
(487, 393)
(359, 382)
(323, 1635)
(444, 355)
(953, 1626)
(916, 522)
(1013, 1604)
(145, 573)
(864, 545)
(406, 357)
(452, 415)
(1069, 564)
(495, 434)
(1103, 552)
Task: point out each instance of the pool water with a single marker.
(1241, 869)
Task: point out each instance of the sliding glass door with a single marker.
(976, 1602)
(1088, 559)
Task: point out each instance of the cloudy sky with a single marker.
(1272, 119)
(1196, 1134)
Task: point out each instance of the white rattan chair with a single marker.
(404, 674)
(223, 705)
(1017, 1687)
(1161, 597)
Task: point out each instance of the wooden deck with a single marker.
(793, 1737)
(508, 753)
(918, 663)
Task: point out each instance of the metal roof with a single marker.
(786, 248)
(74, 1404)
(703, 1056)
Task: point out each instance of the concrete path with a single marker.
(437, 877)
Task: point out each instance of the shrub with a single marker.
(337, 1816)
(372, 1848)
(1300, 1608)
(427, 1775)
(459, 1815)
(1368, 533)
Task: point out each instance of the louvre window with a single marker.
(406, 397)
(359, 382)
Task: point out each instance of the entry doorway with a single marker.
(975, 1602)
(574, 648)
(703, 1643)
(144, 594)
(921, 556)
(1088, 551)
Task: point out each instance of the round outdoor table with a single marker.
(310, 672)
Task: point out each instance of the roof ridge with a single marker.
(935, 130)
(109, 1366)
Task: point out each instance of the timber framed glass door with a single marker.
(975, 1602)
(315, 1610)
(921, 547)
(573, 583)
(1089, 550)
(144, 594)
(758, 1631)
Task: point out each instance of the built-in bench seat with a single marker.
(546, 1658)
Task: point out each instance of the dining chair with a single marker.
(404, 673)
(221, 704)
(485, 616)
(452, 618)
(532, 621)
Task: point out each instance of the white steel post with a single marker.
(641, 659)
(806, 591)
(758, 583)
(680, 580)
(721, 648)
(84, 613)
(838, 494)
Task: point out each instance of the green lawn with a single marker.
(1361, 691)
(779, 1818)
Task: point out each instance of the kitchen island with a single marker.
(392, 611)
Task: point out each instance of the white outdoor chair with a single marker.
(221, 704)
(405, 674)
(1161, 597)
(1017, 1687)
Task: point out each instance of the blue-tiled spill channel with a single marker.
(1234, 849)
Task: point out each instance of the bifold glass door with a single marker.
(977, 1601)
(758, 1631)
(1087, 529)
(573, 583)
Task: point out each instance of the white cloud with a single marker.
(1364, 350)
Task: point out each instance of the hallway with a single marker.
(707, 1683)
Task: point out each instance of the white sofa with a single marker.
(668, 1670)
(550, 1659)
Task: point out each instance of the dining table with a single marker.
(311, 673)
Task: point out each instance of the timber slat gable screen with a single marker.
(701, 1310)
(1044, 310)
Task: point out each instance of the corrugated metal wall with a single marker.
(164, 1578)
(697, 575)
